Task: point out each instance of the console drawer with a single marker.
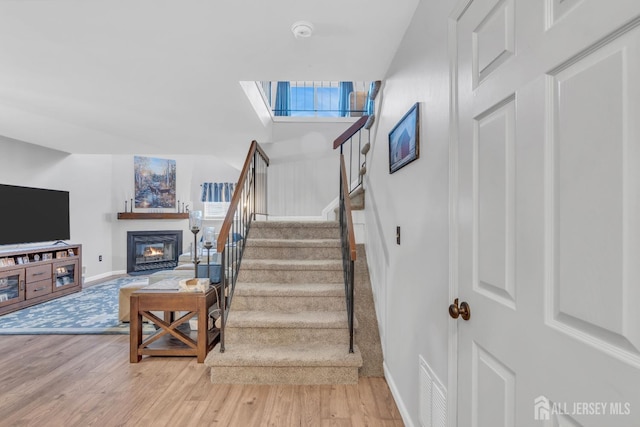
(36, 289)
(39, 272)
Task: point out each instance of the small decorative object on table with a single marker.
(193, 285)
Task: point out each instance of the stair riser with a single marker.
(291, 276)
(297, 253)
(288, 304)
(294, 233)
(283, 375)
(285, 336)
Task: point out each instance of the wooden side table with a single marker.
(174, 336)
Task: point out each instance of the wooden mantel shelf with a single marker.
(153, 215)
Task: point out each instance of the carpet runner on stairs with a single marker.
(288, 319)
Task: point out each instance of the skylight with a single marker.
(315, 98)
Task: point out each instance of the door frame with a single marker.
(452, 359)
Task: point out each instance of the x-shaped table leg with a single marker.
(168, 328)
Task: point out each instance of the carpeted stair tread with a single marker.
(294, 243)
(289, 289)
(292, 355)
(293, 249)
(287, 225)
(289, 298)
(284, 320)
(293, 265)
(294, 230)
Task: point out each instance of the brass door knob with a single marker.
(463, 310)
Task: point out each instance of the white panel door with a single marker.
(547, 205)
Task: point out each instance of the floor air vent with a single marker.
(433, 398)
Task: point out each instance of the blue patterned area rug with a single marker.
(94, 310)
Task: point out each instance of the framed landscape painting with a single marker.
(155, 182)
(404, 140)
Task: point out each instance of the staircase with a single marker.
(288, 318)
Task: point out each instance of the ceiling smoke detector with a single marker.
(302, 29)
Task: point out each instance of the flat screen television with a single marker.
(30, 215)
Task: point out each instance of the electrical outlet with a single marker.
(100, 258)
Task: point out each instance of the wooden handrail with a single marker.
(228, 220)
(261, 152)
(347, 207)
(353, 129)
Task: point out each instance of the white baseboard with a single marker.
(396, 396)
(104, 275)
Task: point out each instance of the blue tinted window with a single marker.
(302, 101)
(327, 101)
(310, 101)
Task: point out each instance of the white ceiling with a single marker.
(162, 76)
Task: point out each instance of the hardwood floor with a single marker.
(82, 380)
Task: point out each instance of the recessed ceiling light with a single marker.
(302, 29)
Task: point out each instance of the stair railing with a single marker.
(347, 237)
(354, 136)
(248, 201)
(347, 186)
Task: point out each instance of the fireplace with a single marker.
(150, 251)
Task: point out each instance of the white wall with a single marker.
(410, 280)
(303, 173)
(98, 186)
(88, 180)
